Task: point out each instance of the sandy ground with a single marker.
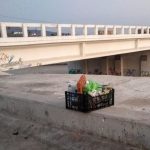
(15, 134)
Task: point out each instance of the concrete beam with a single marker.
(3, 30)
(136, 30)
(73, 30)
(43, 30)
(114, 30)
(25, 30)
(147, 30)
(85, 30)
(122, 66)
(96, 30)
(105, 30)
(130, 30)
(59, 32)
(122, 30)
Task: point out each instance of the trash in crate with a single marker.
(72, 88)
(87, 95)
(81, 84)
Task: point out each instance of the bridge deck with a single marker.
(106, 40)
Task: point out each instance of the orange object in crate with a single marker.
(81, 84)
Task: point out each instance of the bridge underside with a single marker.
(133, 64)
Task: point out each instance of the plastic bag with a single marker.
(92, 87)
(72, 86)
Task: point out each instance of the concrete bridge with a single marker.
(69, 42)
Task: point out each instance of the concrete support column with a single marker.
(142, 30)
(85, 30)
(73, 30)
(59, 30)
(122, 66)
(43, 30)
(25, 30)
(147, 30)
(96, 30)
(114, 30)
(136, 30)
(105, 30)
(107, 65)
(3, 31)
(122, 30)
(130, 30)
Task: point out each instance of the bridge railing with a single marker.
(46, 30)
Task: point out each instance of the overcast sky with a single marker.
(136, 12)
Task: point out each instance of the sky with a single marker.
(119, 12)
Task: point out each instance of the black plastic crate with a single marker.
(86, 103)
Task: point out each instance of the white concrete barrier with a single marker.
(116, 124)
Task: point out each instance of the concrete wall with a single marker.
(145, 64)
(90, 66)
(104, 65)
(94, 66)
(131, 64)
(111, 65)
(76, 65)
